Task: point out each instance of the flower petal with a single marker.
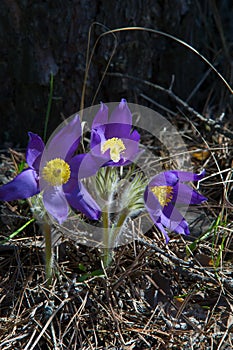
(172, 219)
(81, 200)
(63, 143)
(166, 178)
(151, 203)
(97, 138)
(121, 115)
(131, 150)
(169, 216)
(119, 126)
(101, 117)
(188, 176)
(55, 203)
(84, 165)
(154, 209)
(185, 194)
(119, 130)
(127, 156)
(23, 186)
(135, 136)
(161, 228)
(34, 151)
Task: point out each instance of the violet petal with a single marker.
(161, 228)
(97, 138)
(81, 200)
(188, 176)
(121, 114)
(64, 142)
(119, 130)
(184, 194)
(55, 203)
(167, 178)
(84, 165)
(131, 150)
(173, 220)
(34, 151)
(23, 186)
(101, 117)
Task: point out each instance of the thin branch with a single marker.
(184, 266)
(216, 125)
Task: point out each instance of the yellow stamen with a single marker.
(56, 172)
(163, 194)
(116, 147)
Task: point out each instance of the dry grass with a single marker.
(153, 296)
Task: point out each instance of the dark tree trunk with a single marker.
(43, 37)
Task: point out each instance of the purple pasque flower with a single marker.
(112, 138)
(163, 192)
(54, 171)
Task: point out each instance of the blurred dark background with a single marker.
(38, 38)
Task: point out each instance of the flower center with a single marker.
(56, 172)
(116, 147)
(163, 194)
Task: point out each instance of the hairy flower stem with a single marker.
(48, 253)
(119, 225)
(106, 250)
(110, 235)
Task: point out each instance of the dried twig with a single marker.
(216, 125)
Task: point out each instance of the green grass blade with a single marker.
(48, 107)
(17, 231)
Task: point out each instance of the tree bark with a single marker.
(43, 37)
